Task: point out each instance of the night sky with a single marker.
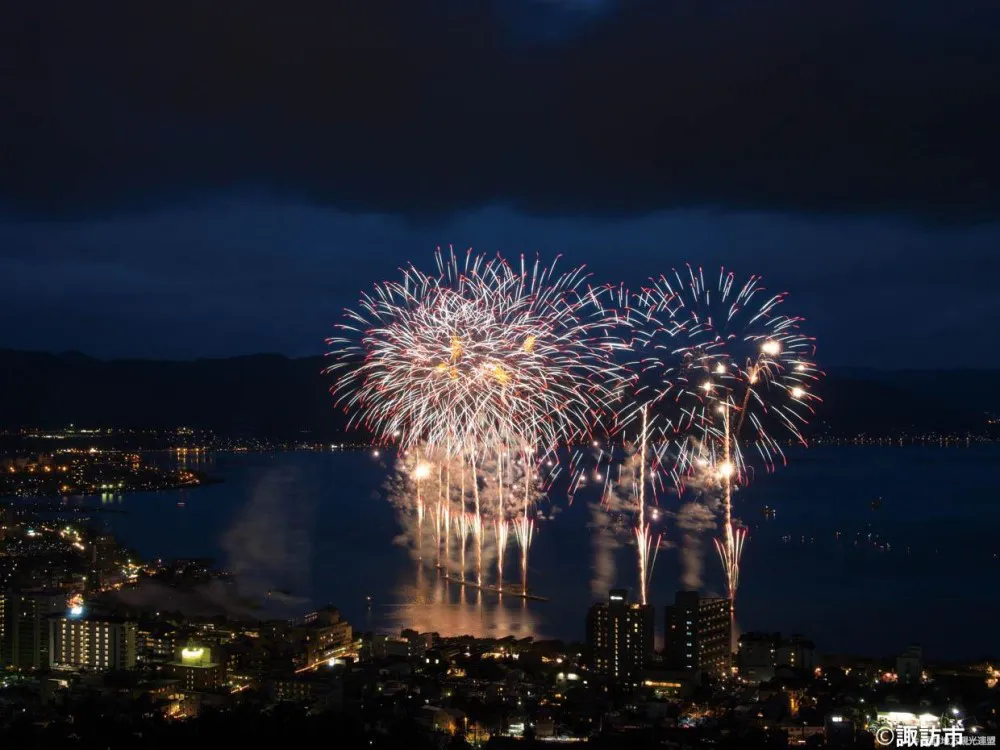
(189, 178)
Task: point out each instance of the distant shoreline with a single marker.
(203, 480)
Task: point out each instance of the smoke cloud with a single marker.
(269, 546)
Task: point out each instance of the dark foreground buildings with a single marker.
(620, 637)
(698, 634)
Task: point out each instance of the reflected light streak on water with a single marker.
(427, 602)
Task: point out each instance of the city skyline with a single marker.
(490, 374)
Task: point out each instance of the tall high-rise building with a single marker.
(104, 559)
(25, 641)
(95, 643)
(698, 633)
(620, 637)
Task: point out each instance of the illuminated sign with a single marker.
(192, 654)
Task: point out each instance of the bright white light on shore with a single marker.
(771, 348)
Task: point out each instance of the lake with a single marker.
(316, 528)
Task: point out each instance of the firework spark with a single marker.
(481, 357)
(482, 361)
(739, 374)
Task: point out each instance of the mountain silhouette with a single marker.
(270, 395)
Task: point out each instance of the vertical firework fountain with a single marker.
(730, 547)
(525, 526)
(471, 362)
(645, 541)
(477, 527)
(735, 368)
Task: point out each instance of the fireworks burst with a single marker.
(481, 357)
(739, 373)
(483, 361)
(726, 351)
(481, 371)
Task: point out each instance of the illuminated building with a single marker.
(323, 634)
(100, 644)
(25, 642)
(620, 637)
(698, 634)
(668, 685)
(155, 644)
(899, 716)
(196, 670)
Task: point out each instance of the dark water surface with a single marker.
(923, 567)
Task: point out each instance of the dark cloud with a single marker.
(244, 276)
(430, 107)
